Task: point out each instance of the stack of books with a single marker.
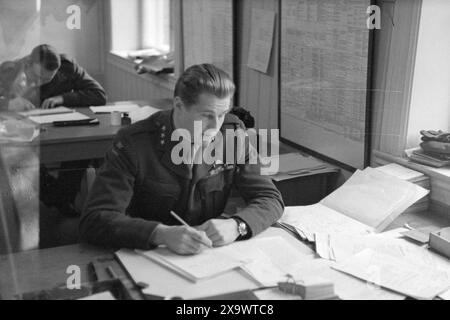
(412, 176)
(431, 159)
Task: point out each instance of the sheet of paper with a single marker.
(320, 219)
(261, 39)
(72, 116)
(142, 113)
(208, 263)
(345, 286)
(116, 107)
(269, 258)
(43, 112)
(374, 198)
(421, 282)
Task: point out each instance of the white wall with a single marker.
(430, 101)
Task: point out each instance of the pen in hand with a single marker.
(209, 245)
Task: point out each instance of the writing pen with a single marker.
(185, 223)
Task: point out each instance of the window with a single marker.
(141, 25)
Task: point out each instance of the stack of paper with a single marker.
(427, 158)
(367, 202)
(412, 176)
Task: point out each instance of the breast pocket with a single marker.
(156, 199)
(214, 192)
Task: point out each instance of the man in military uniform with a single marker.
(139, 183)
(46, 79)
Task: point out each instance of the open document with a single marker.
(367, 202)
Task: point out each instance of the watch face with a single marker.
(242, 229)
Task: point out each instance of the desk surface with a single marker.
(104, 130)
(35, 270)
(44, 269)
(58, 144)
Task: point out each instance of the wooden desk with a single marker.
(45, 269)
(58, 144)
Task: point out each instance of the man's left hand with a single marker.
(52, 102)
(220, 231)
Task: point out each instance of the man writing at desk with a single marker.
(46, 79)
(139, 183)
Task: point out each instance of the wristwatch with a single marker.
(242, 228)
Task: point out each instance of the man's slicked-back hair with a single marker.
(46, 56)
(203, 78)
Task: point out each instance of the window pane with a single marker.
(156, 24)
(125, 25)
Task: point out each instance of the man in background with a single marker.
(46, 79)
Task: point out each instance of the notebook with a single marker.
(209, 263)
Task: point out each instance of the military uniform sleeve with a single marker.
(86, 90)
(264, 202)
(104, 220)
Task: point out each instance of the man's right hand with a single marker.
(181, 239)
(20, 104)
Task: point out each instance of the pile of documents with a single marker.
(266, 260)
(366, 203)
(412, 176)
(427, 158)
(347, 229)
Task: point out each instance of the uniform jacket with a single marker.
(71, 81)
(138, 184)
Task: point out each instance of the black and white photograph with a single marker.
(235, 157)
